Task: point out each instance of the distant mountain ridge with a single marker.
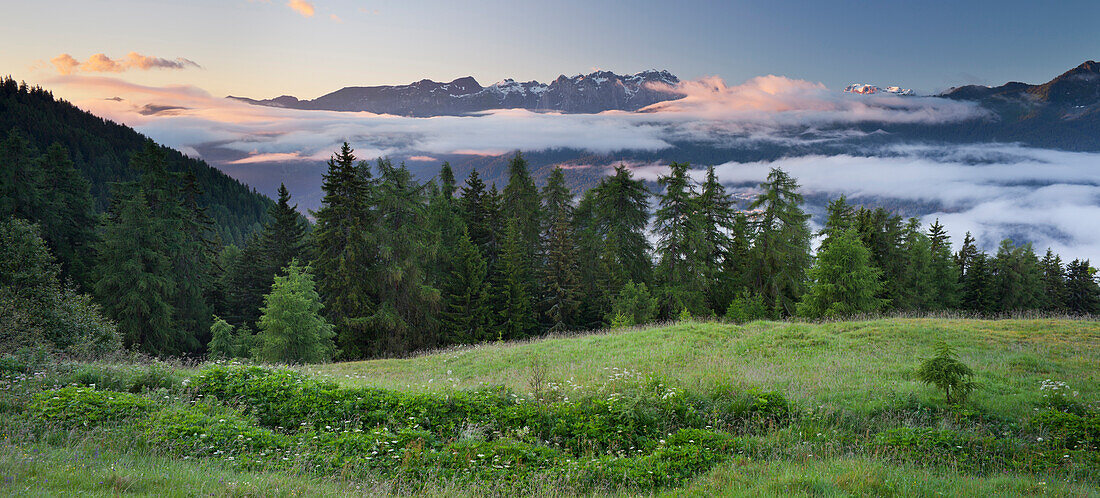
(584, 93)
(1062, 113)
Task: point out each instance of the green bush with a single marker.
(747, 307)
(82, 406)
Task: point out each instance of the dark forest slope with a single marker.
(101, 149)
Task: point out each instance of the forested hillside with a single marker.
(100, 151)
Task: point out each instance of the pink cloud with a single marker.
(100, 63)
(302, 7)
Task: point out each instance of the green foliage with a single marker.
(781, 247)
(844, 282)
(36, 311)
(747, 307)
(221, 340)
(682, 247)
(343, 251)
(633, 306)
(291, 327)
(517, 315)
(86, 407)
(1082, 290)
(99, 150)
(947, 373)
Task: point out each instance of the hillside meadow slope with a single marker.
(860, 366)
(692, 408)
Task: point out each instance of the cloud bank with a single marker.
(100, 63)
(1051, 198)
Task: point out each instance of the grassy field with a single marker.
(797, 409)
(858, 366)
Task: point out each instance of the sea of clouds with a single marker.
(1048, 197)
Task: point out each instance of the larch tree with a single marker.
(781, 246)
(843, 281)
(292, 329)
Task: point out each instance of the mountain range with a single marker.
(584, 93)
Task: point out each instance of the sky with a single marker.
(265, 48)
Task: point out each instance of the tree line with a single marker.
(392, 265)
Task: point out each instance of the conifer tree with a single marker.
(292, 329)
(918, 291)
(620, 213)
(520, 202)
(966, 255)
(1082, 291)
(781, 249)
(21, 193)
(560, 298)
(843, 282)
(68, 216)
(516, 316)
(840, 216)
(884, 235)
(1054, 282)
(681, 245)
(718, 217)
(481, 213)
(133, 283)
(1017, 278)
(595, 277)
(978, 286)
(221, 340)
(344, 250)
(284, 235)
(943, 270)
(404, 318)
(465, 317)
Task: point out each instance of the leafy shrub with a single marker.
(747, 307)
(633, 306)
(1070, 430)
(946, 372)
(82, 406)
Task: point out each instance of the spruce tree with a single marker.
(292, 329)
(404, 318)
(596, 278)
(918, 292)
(1017, 278)
(221, 340)
(1054, 282)
(284, 235)
(344, 250)
(516, 319)
(68, 215)
(943, 270)
(843, 282)
(840, 216)
(561, 293)
(681, 245)
(465, 317)
(21, 180)
(1082, 291)
(883, 233)
(621, 214)
(979, 294)
(965, 257)
(781, 249)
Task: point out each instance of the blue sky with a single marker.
(265, 48)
